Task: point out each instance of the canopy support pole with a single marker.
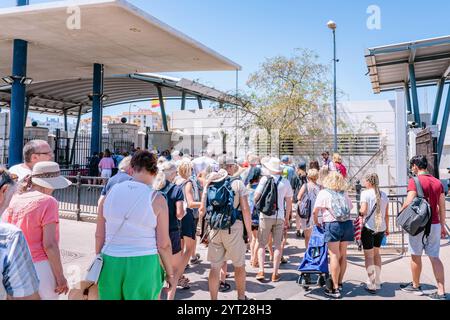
(444, 126)
(200, 104)
(163, 109)
(183, 101)
(65, 121)
(97, 106)
(72, 154)
(437, 105)
(415, 97)
(408, 98)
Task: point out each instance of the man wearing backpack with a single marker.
(226, 206)
(434, 194)
(273, 198)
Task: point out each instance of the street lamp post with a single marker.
(332, 25)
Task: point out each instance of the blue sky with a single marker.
(248, 31)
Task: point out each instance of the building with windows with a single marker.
(367, 144)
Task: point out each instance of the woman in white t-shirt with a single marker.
(375, 210)
(335, 205)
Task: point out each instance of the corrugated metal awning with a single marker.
(389, 65)
(57, 97)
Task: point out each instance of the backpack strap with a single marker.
(419, 188)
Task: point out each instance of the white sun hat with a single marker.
(272, 164)
(216, 177)
(48, 175)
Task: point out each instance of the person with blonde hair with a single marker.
(308, 192)
(375, 210)
(323, 173)
(335, 205)
(173, 194)
(188, 226)
(337, 159)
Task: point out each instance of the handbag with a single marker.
(94, 270)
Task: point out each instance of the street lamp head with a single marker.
(332, 25)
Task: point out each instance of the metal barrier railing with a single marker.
(396, 241)
(82, 196)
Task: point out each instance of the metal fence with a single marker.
(81, 197)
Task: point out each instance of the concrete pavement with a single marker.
(78, 239)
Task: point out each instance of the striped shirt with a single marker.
(18, 277)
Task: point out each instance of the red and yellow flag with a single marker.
(155, 103)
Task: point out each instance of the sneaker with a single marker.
(276, 278)
(299, 234)
(260, 276)
(335, 294)
(371, 291)
(410, 289)
(438, 297)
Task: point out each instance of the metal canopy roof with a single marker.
(388, 65)
(55, 97)
(112, 32)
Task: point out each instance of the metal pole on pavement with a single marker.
(332, 25)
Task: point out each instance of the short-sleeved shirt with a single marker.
(432, 189)
(118, 178)
(369, 197)
(284, 191)
(289, 170)
(31, 212)
(239, 191)
(174, 195)
(106, 163)
(323, 201)
(18, 277)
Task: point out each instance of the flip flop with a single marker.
(224, 287)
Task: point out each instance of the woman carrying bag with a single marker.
(133, 230)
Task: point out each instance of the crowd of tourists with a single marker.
(157, 210)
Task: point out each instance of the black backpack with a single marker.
(416, 218)
(268, 202)
(221, 214)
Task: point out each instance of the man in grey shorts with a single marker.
(434, 194)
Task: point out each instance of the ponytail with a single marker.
(375, 182)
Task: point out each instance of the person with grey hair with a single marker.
(33, 152)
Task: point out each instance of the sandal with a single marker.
(224, 287)
(195, 260)
(184, 283)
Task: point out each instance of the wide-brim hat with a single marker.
(219, 176)
(47, 174)
(272, 164)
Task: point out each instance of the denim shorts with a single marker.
(339, 231)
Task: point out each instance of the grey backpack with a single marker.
(416, 218)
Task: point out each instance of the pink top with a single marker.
(30, 212)
(106, 163)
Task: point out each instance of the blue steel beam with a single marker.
(17, 113)
(183, 101)
(408, 98)
(415, 97)
(199, 101)
(97, 105)
(444, 126)
(163, 109)
(437, 105)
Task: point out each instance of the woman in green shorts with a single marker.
(133, 230)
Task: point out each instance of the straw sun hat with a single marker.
(216, 177)
(48, 175)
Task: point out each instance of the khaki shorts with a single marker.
(268, 226)
(225, 246)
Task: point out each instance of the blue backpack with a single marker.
(221, 214)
